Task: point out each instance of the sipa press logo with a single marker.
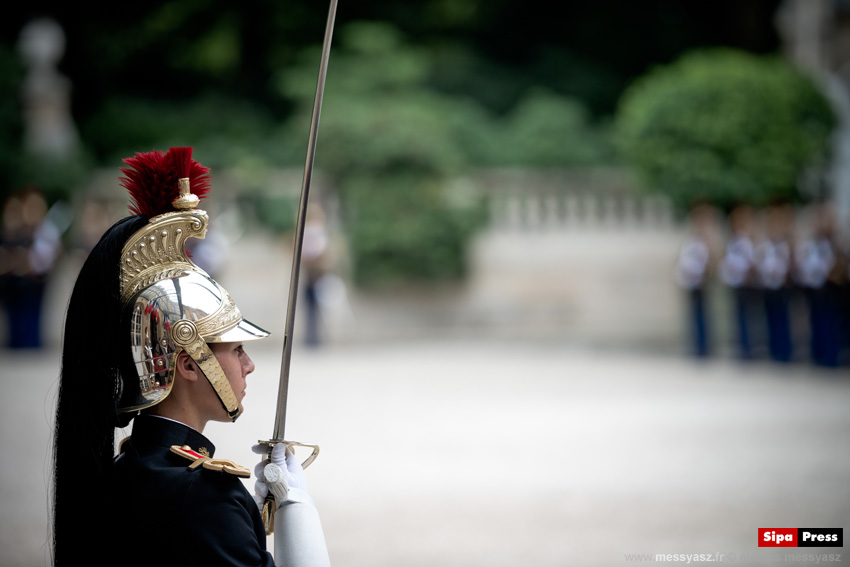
(801, 537)
(777, 537)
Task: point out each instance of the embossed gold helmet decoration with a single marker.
(170, 304)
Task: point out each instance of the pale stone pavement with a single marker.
(496, 453)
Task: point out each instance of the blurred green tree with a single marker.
(393, 146)
(546, 129)
(725, 127)
(223, 130)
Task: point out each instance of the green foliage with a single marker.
(725, 127)
(276, 212)
(546, 129)
(392, 145)
(368, 57)
(404, 227)
(223, 131)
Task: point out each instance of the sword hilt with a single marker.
(270, 505)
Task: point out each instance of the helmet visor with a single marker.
(244, 331)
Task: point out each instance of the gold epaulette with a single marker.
(208, 463)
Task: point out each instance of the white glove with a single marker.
(298, 537)
(281, 475)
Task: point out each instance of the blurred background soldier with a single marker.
(736, 270)
(773, 265)
(29, 248)
(819, 273)
(692, 271)
(314, 259)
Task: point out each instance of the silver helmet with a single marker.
(172, 305)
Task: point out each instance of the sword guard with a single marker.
(268, 445)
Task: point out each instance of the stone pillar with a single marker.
(49, 129)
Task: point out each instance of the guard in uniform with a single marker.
(693, 267)
(818, 267)
(773, 262)
(152, 339)
(737, 271)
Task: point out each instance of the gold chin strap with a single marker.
(185, 335)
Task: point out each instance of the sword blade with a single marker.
(283, 388)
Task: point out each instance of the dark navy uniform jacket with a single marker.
(169, 514)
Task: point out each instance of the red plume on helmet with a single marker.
(152, 179)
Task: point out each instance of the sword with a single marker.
(283, 388)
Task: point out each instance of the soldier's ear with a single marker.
(186, 368)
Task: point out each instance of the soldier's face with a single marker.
(236, 365)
